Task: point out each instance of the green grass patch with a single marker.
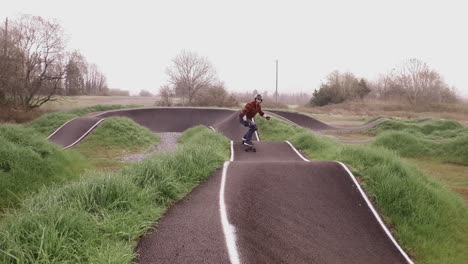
(27, 162)
(48, 123)
(451, 175)
(116, 137)
(440, 129)
(98, 219)
(412, 146)
(431, 221)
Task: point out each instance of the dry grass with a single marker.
(8, 115)
(70, 102)
(452, 175)
(371, 107)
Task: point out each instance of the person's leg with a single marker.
(244, 138)
(252, 129)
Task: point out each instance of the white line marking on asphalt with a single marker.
(297, 152)
(369, 204)
(228, 229)
(256, 133)
(84, 135)
(61, 127)
(232, 150)
(376, 215)
(212, 128)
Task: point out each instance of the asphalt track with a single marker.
(272, 206)
(157, 120)
(161, 120)
(314, 124)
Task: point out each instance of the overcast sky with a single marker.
(133, 42)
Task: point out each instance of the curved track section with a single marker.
(72, 132)
(157, 120)
(314, 124)
(172, 119)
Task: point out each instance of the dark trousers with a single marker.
(252, 128)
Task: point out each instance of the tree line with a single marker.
(413, 81)
(35, 65)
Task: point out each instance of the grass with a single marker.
(439, 129)
(409, 145)
(48, 123)
(396, 108)
(28, 162)
(431, 222)
(99, 218)
(451, 175)
(114, 138)
(69, 102)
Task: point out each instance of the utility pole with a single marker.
(276, 93)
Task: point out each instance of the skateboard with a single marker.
(249, 148)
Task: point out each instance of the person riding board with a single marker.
(246, 118)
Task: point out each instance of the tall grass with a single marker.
(48, 123)
(409, 145)
(431, 222)
(440, 129)
(27, 162)
(98, 219)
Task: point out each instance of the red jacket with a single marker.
(251, 109)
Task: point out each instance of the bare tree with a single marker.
(189, 73)
(166, 93)
(96, 83)
(39, 60)
(421, 83)
(6, 71)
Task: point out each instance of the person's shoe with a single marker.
(248, 143)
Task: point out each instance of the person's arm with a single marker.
(262, 113)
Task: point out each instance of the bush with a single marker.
(145, 93)
(338, 88)
(215, 95)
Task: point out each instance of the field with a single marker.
(69, 102)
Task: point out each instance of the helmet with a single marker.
(259, 96)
